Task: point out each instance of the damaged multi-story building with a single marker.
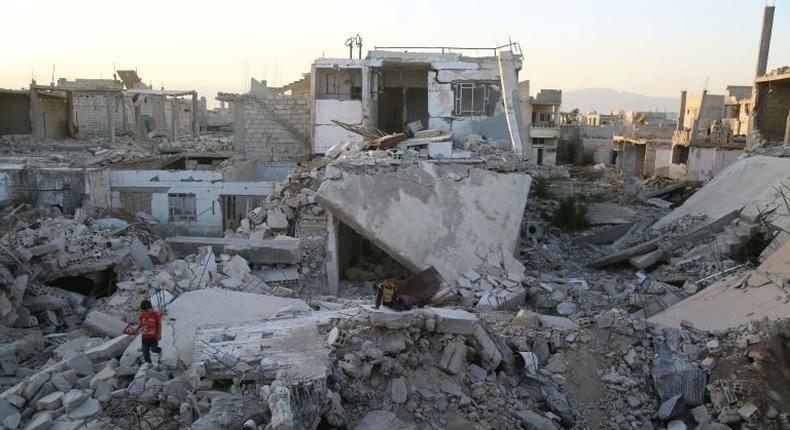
(446, 91)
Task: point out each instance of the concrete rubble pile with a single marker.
(202, 144)
(425, 145)
(630, 324)
(92, 152)
(434, 368)
(61, 247)
(98, 151)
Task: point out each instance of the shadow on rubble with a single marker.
(95, 285)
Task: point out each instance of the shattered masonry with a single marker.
(568, 271)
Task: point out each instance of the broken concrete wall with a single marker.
(54, 116)
(772, 106)
(252, 170)
(704, 162)
(66, 188)
(272, 128)
(14, 113)
(338, 103)
(445, 71)
(467, 212)
(178, 331)
(282, 249)
(90, 114)
(205, 186)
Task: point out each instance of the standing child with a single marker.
(151, 327)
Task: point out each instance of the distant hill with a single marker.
(604, 100)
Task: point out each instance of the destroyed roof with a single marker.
(152, 92)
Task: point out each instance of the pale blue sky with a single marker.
(648, 47)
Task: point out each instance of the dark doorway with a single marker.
(96, 284)
(403, 97)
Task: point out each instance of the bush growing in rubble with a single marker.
(540, 188)
(570, 215)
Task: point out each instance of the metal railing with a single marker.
(514, 47)
(544, 125)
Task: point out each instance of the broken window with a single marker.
(680, 154)
(341, 85)
(182, 207)
(475, 99)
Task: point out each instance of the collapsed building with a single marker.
(542, 296)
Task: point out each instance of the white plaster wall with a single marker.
(328, 135)
(465, 75)
(700, 163)
(207, 186)
(348, 111)
(440, 99)
(663, 157)
(725, 158)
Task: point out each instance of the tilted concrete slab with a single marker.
(212, 306)
(749, 184)
(280, 250)
(736, 300)
(447, 216)
(291, 348)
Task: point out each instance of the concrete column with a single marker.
(509, 82)
(367, 102)
(110, 117)
(36, 114)
(239, 142)
(195, 116)
(173, 120)
(332, 262)
(629, 171)
(765, 40)
(124, 120)
(682, 114)
(70, 111)
(787, 130)
(138, 120)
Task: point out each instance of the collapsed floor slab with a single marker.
(751, 184)
(281, 250)
(467, 212)
(291, 348)
(736, 300)
(213, 306)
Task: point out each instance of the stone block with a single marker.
(50, 402)
(103, 324)
(40, 422)
(110, 349)
(398, 391)
(393, 320)
(560, 323)
(453, 358)
(34, 384)
(73, 399)
(81, 364)
(533, 420)
(455, 321)
(11, 421)
(87, 409)
(478, 372)
(489, 353)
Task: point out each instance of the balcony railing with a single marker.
(544, 125)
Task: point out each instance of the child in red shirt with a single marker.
(151, 327)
